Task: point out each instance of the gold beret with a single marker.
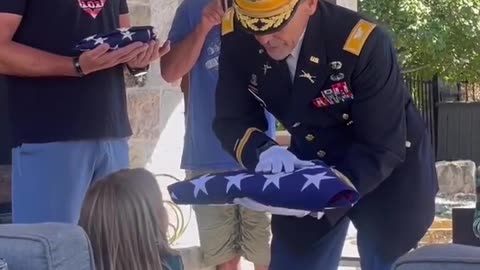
(263, 16)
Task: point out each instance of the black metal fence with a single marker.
(451, 112)
(458, 131)
(425, 94)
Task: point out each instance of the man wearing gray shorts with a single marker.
(226, 232)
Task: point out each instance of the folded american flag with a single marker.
(118, 38)
(307, 190)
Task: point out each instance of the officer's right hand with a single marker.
(277, 159)
(212, 14)
(100, 58)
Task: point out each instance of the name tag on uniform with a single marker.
(338, 93)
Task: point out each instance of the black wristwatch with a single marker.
(78, 68)
(137, 72)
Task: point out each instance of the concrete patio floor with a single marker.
(166, 160)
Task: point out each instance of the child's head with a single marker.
(124, 217)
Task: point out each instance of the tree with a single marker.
(432, 36)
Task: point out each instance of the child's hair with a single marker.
(126, 221)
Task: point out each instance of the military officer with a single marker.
(333, 80)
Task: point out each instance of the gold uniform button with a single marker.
(321, 153)
(345, 116)
(309, 137)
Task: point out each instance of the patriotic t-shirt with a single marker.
(64, 108)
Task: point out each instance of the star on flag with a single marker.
(99, 40)
(274, 179)
(315, 180)
(127, 34)
(236, 180)
(200, 183)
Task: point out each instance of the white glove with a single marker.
(277, 159)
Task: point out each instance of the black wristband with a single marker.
(78, 68)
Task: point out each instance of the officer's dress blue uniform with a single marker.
(347, 106)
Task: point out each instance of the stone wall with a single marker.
(148, 103)
(457, 182)
(456, 177)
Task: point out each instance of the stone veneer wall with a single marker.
(149, 102)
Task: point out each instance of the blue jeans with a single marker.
(50, 180)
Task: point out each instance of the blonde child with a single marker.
(124, 217)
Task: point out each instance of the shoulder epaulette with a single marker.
(358, 36)
(227, 22)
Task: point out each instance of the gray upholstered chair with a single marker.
(447, 256)
(441, 257)
(49, 246)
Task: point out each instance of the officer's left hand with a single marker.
(152, 53)
(276, 159)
